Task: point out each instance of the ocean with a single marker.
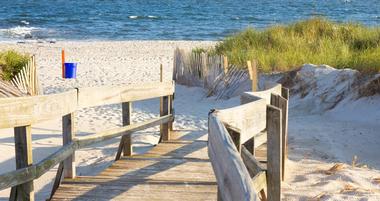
(166, 19)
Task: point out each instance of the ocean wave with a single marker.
(24, 22)
(152, 17)
(143, 17)
(133, 17)
(20, 32)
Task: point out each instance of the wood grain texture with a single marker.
(94, 96)
(170, 171)
(284, 105)
(68, 134)
(248, 119)
(233, 178)
(252, 70)
(247, 97)
(23, 111)
(32, 172)
(253, 165)
(164, 110)
(24, 158)
(274, 164)
(126, 120)
(115, 132)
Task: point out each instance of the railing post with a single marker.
(24, 158)
(274, 153)
(127, 139)
(164, 110)
(171, 111)
(68, 125)
(284, 106)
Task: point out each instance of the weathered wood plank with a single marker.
(248, 119)
(169, 167)
(23, 111)
(259, 181)
(252, 70)
(94, 96)
(284, 105)
(247, 97)
(17, 177)
(164, 110)
(52, 160)
(111, 133)
(233, 178)
(24, 158)
(126, 120)
(274, 164)
(30, 173)
(253, 166)
(57, 180)
(68, 129)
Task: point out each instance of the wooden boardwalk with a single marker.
(174, 170)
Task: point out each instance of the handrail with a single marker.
(116, 132)
(89, 97)
(240, 125)
(21, 112)
(28, 110)
(23, 175)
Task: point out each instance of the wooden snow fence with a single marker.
(21, 112)
(27, 80)
(235, 133)
(213, 73)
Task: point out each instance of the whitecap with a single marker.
(152, 17)
(19, 32)
(133, 17)
(24, 22)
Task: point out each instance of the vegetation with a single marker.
(11, 62)
(317, 41)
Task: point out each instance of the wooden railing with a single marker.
(20, 113)
(235, 133)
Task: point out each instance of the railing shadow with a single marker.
(177, 157)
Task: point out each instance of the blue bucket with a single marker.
(70, 70)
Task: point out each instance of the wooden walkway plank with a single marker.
(174, 170)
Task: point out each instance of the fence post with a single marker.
(284, 105)
(68, 135)
(274, 155)
(252, 70)
(225, 64)
(171, 110)
(24, 158)
(164, 110)
(127, 139)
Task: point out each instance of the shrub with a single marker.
(11, 62)
(317, 41)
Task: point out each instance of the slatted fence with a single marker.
(27, 79)
(213, 73)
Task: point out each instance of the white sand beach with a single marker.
(317, 139)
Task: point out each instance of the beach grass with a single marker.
(11, 62)
(316, 41)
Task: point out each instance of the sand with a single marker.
(317, 139)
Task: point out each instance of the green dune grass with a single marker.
(317, 41)
(11, 62)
